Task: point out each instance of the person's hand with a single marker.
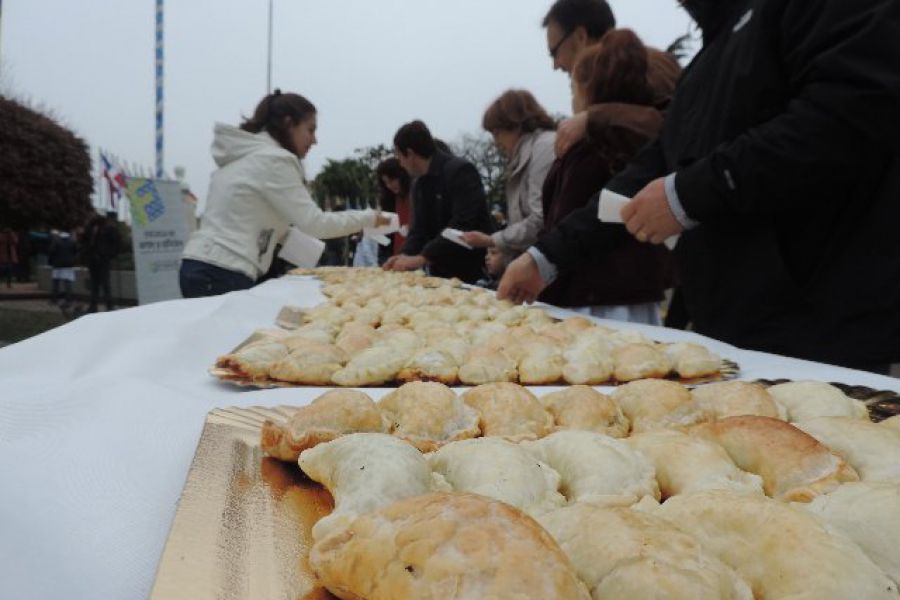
(570, 132)
(477, 239)
(381, 220)
(401, 262)
(521, 282)
(648, 216)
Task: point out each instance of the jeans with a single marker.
(199, 279)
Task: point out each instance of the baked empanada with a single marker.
(873, 450)
(254, 360)
(499, 469)
(596, 468)
(622, 554)
(868, 514)
(541, 364)
(805, 400)
(483, 366)
(639, 361)
(686, 464)
(781, 551)
(793, 465)
(331, 415)
(443, 546)
(509, 411)
(372, 366)
(430, 364)
(365, 472)
(692, 360)
(652, 404)
(736, 398)
(428, 415)
(584, 408)
(313, 364)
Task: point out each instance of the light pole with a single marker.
(269, 61)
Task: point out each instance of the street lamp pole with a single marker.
(269, 61)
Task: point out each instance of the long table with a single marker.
(99, 420)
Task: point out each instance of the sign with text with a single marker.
(159, 231)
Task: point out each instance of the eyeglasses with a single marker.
(555, 48)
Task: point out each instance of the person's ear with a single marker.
(581, 36)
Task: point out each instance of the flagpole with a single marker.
(159, 88)
(269, 59)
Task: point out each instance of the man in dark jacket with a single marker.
(102, 239)
(447, 193)
(780, 163)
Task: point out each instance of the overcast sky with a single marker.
(368, 65)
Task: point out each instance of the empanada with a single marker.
(499, 469)
(692, 360)
(652, 404)
(584, 408)
(372, 366)
(781, 551)
(793, 465)
(331, 415)
(622, 554)
(805, 400)
(254, 360)
(639, 361)
(313, 364)
(484, 366)
(873, 450)
(509, 411)
(430, 364)
(541, 364)
(428, 415)
(686, 464)
(596, 468)
(443, 546)
(736, 398)
(868, 514)
(365, 472)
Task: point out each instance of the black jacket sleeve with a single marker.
(581, 236)
(417, 238)
(841, 58)
(465, 193)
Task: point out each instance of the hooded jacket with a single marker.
(257, 192)
(783, 135)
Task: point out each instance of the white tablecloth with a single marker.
(99, 420)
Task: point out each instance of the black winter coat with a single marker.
(62, 253)
(451, 195)
(784, 133)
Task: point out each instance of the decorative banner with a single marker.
(159, 231)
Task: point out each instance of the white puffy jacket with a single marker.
(257, 192)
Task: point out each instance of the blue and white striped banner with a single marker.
(159, 89)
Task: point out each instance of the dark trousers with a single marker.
(99, 272)
(199, 279)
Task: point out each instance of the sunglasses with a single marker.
(562, 41)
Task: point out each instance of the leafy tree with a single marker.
(480, 150)
(45, 171)
(347, 183)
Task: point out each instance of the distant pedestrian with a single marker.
(102, 239)
(9, 256)
(61, 256)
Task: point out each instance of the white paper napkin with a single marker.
(455, 236)
(379, 234)
(301, 249)
(609, 210)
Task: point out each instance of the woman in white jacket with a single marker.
(524, 133)
(255, 195)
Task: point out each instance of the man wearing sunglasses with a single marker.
(571, 26)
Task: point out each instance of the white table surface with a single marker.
(99, 420)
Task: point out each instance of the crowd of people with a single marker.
(772, 160)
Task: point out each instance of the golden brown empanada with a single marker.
(793, 465)
(509, 411)
(873, 450)
(596, 468)
(331, 415)
(652, 404)
(430, 364)
(484, 366)
(736, 398)
(692, 360)
(365, 472)
(805, 400)
(685, 464)
(254, 360)
(622, 554)
(501, 470)
(584, 408)
(428, 415)
(639, 361)
(443, 546)
(781, 551)
(372, 366)
(313, 364)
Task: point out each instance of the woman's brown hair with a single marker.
(516, 110)
(614, 70)
(276, 114)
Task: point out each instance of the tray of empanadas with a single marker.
(733, 490)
